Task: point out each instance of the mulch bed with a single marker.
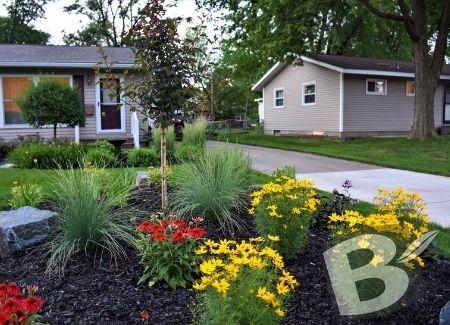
(103, 292)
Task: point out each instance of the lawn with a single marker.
(429, 156)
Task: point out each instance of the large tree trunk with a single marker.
(426, 81)
(164, 195)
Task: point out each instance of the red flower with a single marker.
(32, 304)
(155, 228)
(9, 289)
(11, 305)
(178, 237)
(144, 226)
(18, 317)
(179, 223)
(196, 232)
(145, 315)
(158, 236)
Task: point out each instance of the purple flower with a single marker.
(347, 184)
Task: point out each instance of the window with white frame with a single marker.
(410, 88)
(309, 93)
(376, 86)
(278, 97)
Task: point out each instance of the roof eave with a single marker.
(62, 65)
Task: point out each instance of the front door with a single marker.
(110, 105)
(446, 114)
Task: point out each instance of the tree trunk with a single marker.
(426, 81)
(164, 195)
(54, 133)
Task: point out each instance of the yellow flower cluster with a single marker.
(286, 188)
(226, 259)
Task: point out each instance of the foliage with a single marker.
(5, 148)
(398, 213)
(155, 174)
(283, 210)
(16, 307)
(17, 26)
(195, 133)
(89, 217)
(215, 186)
(242, 283)
(25, 195)
(170, 140)
(108, 22)
(166, 248)
(143, 157)
(288, 171)
(47, 156)
(102, 144)
(101, 158)
(188, 153)
(51, 103)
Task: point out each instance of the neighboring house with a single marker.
(346, 96)
(106, 118)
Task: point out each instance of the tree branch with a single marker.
(408, 21)
(441, 40)
(380, 13)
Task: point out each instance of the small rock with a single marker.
(22, 228)
(444, 317)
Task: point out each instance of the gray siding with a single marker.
(294, 117)
(381, 113)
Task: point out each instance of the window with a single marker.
(279, 98)
(309, 93)
(13, 88)
(410, 88)
(376, 87)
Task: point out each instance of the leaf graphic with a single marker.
(417, 246)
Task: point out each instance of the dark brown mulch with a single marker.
(105, 293)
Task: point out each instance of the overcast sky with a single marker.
(56, 20)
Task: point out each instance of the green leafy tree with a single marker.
(16, 28)
(51, 103)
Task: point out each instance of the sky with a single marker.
(57, 21)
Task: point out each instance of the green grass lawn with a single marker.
(429, 156)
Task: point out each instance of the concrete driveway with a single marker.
(330, 173)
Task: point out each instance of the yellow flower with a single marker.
(377, 259)
(251, 211)
(363, 243)
(280, 312)
(35, 161)
(208, 267)
(296, 211)
(232, 269)
(221, 286)
(201, 250)
(282, 289)
(199, 286)
(273, 238)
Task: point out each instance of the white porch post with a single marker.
(135, 129)
(77, 134)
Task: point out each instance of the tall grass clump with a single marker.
(170, 138)
(215, 186)
(89, 217)
(195, 133)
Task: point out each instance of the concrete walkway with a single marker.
(330, 173)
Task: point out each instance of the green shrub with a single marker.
(88, 218)
(155, 174)
(288, 171)
(242, 283)
(283, 211)
(195, 133)
(47, 156)
(166, 248)
(6, 147)
(25, 195)
(188, 152)
(101, 158)
(104, 145)
(143, 157)
(215, 186)
(170, 138)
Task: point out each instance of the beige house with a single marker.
(106, 118)
(346, 96)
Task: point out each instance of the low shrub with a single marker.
(288, 171)
(101, 158)
(6, 147)
(195, 133)
(215, 186)
(155, 174)
(88, 217)
(104, 145)
(188, 152)
(242, 283)
(166, 248)
(25, 195)
(170, 139)
(47, 156)
(19, 308)
(283, 209)
(143, 157)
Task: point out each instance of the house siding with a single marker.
(295, 118)
(390, 113)
(89, 131)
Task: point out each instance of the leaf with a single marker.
(417, 246)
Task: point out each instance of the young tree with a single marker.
(51, 103)
(164, 71)
(425, 22)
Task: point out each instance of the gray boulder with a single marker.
(22, 228)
